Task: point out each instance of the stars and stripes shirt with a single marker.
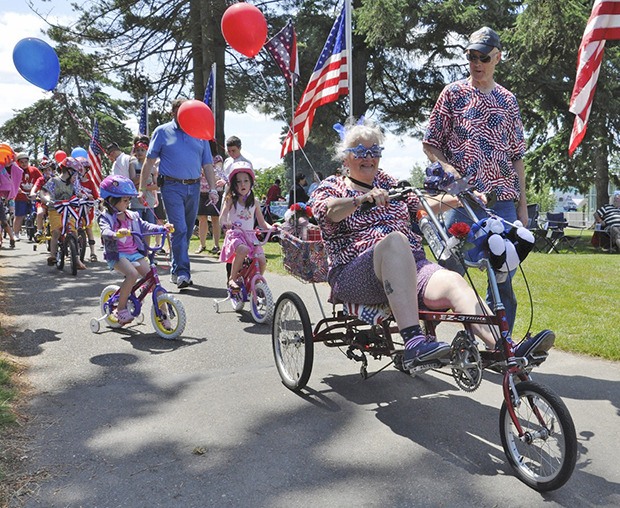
(349, 238)
(480, 135)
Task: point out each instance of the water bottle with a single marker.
(430, 234)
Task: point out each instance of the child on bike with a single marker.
(123, 251)
(89, 191)
(60, 188)
(240, 208)
(47, 171)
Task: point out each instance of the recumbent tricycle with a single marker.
(536, 429)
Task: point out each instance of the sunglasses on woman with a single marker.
(361, 152)
(475, 58)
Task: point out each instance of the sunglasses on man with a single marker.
(475, 58)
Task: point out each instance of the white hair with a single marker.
(356, 133)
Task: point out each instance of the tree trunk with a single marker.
(195, 23)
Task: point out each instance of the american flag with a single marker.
(604, 24)
(143, 124)
(329, 81)
(94, 156)
(210, 90)
(283, 49)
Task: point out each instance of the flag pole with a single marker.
(146, 102)
(214, 72)
(294, 141)
(349, 43)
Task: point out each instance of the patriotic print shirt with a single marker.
(480, 135)
(349, 238)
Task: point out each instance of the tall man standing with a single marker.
(182, 158)
(475, 131)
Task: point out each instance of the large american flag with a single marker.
(329, 81)
(604, 23)
(94, 155)
(283, 49)
(143, 124)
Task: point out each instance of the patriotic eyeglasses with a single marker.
(482, 58)
(361, 152)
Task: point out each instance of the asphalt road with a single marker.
(126, 419)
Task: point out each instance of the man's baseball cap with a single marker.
(21, 155)
(484, 40)
(111, 147)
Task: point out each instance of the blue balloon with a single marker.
(37, 62)
(79, 152)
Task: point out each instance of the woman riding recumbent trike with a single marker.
(539, 427)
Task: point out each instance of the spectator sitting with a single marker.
(608, 216)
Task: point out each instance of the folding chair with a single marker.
(533, 225)
(555, 236)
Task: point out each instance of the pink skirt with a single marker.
(233, 239)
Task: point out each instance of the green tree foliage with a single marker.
(266, 177)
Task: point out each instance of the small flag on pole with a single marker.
(209, 99)
(94, 155)
(283, 49)
(328, 81)
(143, 125)
(46, 150)
(604, 24)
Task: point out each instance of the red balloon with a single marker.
(244, 27)
(196, 119)
(60, 156)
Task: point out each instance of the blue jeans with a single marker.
(181, 202)
(507, 211)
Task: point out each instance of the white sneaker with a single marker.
(173, 278)
(183, 282)
(17, 238)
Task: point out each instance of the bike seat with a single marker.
(370, 314)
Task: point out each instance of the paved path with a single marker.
(124, 418)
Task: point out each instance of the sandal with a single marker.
(215, 250)
(93, 258)
(201, 249)
(51, 261)
(233, 286)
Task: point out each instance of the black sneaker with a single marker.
(539, 343)
(424, 352)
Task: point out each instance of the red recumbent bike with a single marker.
(536, 429)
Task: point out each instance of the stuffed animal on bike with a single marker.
(505, 244)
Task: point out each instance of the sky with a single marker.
(260, 135)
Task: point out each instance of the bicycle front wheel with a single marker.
(82, 242)
(262, 303)
(293, 347)
(170, 322)
(544, 457)
(72, 248)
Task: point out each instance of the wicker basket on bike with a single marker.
(302, 245)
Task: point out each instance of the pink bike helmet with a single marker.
(117, 186)
(242, 167)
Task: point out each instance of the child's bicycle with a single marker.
(167, 314)
(68, 243)
(253, 287)
(536, 429)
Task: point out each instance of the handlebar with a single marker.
(159, 246)
(274, 230)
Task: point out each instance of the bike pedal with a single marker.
(423, 367)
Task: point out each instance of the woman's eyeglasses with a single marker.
(361, 152)
(482, 58)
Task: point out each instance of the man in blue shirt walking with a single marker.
(182, 158)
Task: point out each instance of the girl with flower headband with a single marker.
(240, 208)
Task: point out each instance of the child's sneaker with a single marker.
(123, 317)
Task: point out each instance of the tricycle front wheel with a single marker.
(292, 341)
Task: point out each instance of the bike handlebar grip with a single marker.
(366, 205)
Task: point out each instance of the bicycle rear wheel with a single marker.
(293, 346)
(107, 307)
(544, 458)
(262, 303)
(72, 247)
(60, 255)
